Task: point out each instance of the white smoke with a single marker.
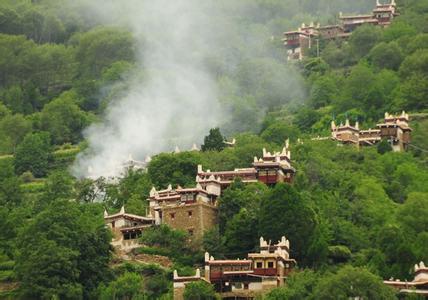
(177, 102)
(175, 105)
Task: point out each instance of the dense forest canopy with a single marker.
(351, 215)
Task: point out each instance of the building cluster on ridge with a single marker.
(194, 209)
(299, 41)
(243, 278)
(395, 129)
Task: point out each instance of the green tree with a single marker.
(305, 118)
(58, 186)
(244, 114)
(238, 196)
(411, 213)
(156, 285)
(387, 56)
(300, 285)
(174, 169)
(263, 78)
(394, 244)
(230, 203)
(64, 121)
(350, 282)
(383, 147)
(323, 90)
(63, 252)
(212, 242)
(335, 56)
(412, 93)
(88, 190)
(398, 30)
(14, 98)
(363, 39)
(93, 246)
(278, 132)
(132, 191)
(213, 141)
(126, 286)
(32, 23)
(167, 238)
(241, 233)
(415, 64)
(4, 111)
(372, 207)
(97, 50)
(199, 290)
(101, 47)
(293, 219)
(14, 127)
(10, 190)
(418, 42)
(361, 91)
(34, 154)
(53, 30)
(10, 20)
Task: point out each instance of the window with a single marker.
(270, 264)
(245, 286)
(271, 173)
(112, 224)
(190, 213)
(172, 216)
(190, 232)
(259, 265)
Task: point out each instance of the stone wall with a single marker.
(193, 218)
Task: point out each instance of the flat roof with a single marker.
(126, 215)
(230, 262)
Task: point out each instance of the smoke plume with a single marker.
(176, 103)
(178, 100)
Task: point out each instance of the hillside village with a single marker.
(306, 37)
(247, 159)
(195, 211)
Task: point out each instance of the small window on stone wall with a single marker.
(172, 216)
(190, 213)
(190, 231)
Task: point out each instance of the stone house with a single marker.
(194, 210)
(394, 129)
(299, 41)
(126, 228)
(244, 278)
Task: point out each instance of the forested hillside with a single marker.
(352, 216)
